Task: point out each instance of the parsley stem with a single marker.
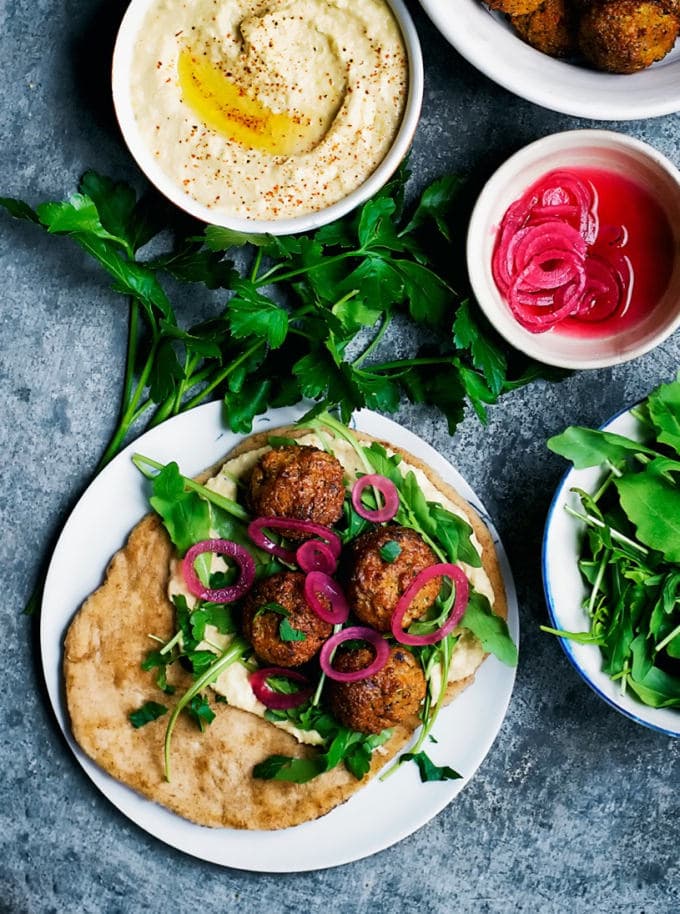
(272, 276)
(130, 414)
(131, 353)
(223, 375)
(407, 363)
(256, 265)
(386, 320)
(232, 653)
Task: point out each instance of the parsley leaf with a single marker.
(428, 770)
(288, 633)
(390, 551)
(148, 712)
(199, 709)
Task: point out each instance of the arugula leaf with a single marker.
(490, 629)
(148, 712)
(587, 447)
(428, 770)
(652, 504)
(663, 406)
(185, 515)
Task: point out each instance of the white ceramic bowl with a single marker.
(489, 43)
(565, 591)
(122, 59)
(577, 148)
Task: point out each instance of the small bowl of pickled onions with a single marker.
(573, 249)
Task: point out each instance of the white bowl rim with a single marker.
(127, 33)
(566, 644)
(546, 81)
(507, 327)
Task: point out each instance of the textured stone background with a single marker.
(575, 809)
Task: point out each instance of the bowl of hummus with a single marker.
(267, 115)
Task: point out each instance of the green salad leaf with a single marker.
(630, 557)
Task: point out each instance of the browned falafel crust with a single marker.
(624, 36)
(262, 629)
(374, 585)
(389, 697)
(514, 7)
(298, 481)
(550, 29)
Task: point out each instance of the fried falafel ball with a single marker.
(550, 29)
(387, 698)
(624, 36)
(514, 7)
(375, 584)
(298, 481)
(263, 628)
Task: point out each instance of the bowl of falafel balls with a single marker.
(599, 59)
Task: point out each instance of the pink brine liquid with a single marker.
(584, 252)
(649, 246)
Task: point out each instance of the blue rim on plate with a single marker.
(570, 647)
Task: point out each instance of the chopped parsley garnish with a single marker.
(390, 551)
(148, 712)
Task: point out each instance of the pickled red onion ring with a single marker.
(258, 536)
(315, 555)
(317, 583)
(279, 701)
(219, 547)
(358, 633)
(387, 489)
(443, 569)
(552, 261)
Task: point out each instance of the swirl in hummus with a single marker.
(268, 110)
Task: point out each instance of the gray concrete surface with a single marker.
(575, 808)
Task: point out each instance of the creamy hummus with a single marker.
(233, 683)
(268, 109)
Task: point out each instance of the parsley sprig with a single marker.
(303, 315)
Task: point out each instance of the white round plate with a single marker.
(381, 813)
(565, 590)
(490, 44)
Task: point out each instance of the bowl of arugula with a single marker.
(611, 558)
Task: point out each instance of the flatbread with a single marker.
(212, 781)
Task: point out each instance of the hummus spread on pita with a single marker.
(213, 780)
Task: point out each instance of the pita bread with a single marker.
(211, 774)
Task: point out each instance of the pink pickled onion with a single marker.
(278, 701)
(444, 569)
(315, 555)
(220, 547)
(552, 261)
(317, 583)
(257, 535)
(355, 632)
(387, 489)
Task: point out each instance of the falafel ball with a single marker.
(263, 628)
(624, 36)
(550, 29)
(298, 481)
(514, 7)
(375, 584)
(387, 698)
